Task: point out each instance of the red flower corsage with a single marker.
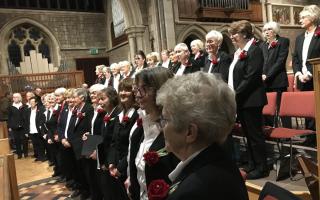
(80, 115)
(139, 122)
(317, 32)
(254, 42)
(158, 189)
(273, 44)
(100, 110)
(107, 118)
(152, 157)
(125, 119)
(243, 55)
(214, 61)
(55, 112)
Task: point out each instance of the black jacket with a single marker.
(313, 52)
(221, 68)
(247, 81)
(40, 119)
(160, 170)
(16, 120)
(190, 68)
(210, 175)
(274, 66)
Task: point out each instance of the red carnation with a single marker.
(317, 32)
(74, 112)
(254, 42)
(214, 61)
(139, 122)
(100, 110)
(106, 118)
(273, 44)
(55, 112)
(125, 118)
(158, 190)
(243, 55)
(80, 115)
(151, 157)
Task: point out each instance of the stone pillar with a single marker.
(135, 37)
(169, 23)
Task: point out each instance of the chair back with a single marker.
(297, 104)
(271, 191)
(271, 107)
(290, 83)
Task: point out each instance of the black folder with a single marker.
(91, 144)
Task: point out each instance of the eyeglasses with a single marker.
(163, 121)
(141, 90)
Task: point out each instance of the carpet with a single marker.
(48, 189)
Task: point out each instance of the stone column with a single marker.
(135, 37)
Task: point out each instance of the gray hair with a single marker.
(203, 99)
(215, 35)
(60, 91)
(81, 92)
(272, 25)
(312, 12)
(17, 95)
(96, 88)
(181, 46)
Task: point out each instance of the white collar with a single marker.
(177, 171)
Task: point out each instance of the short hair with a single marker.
(141, 53)
(272, 25)
(31, 93)
(209, 101)
(154, 77)
(112, 95)
(154, 56)
(166, 51)
(96, 88)
(17, 95)
(215, 35)
(124, 63)
(244, 27)
(69, 92)
(198, 43)
(81, 92)
(312, 12)
(99, 67)
(106, 69)
(114, 66)
(60, 91)
(34, 98)
(182, 46)
(126, 84)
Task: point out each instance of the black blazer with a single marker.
(107, 134)
(200, 60)
(50, 126)
(247, 81)
(98, 123)
(120, 143)
(190, 68)
(210, 175)
(221, 68)
(100, 80)
(160, 170)
(274, 66)
(82, 125)
(40, 119)
(16, 120)
(110, 82)
(313, 52)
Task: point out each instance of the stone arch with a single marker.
(192, 29)
(4, 35)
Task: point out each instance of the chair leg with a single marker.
(291, 160)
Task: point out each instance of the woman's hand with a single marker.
(93, 155)
(84, 136)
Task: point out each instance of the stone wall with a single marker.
(75, 32)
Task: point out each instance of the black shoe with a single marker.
(247, 168)
(75, 194)
(51, 163)
(61, 179)
(19, 156)
(256, 174)
(55, 174)
(84, 196)
(25, 155)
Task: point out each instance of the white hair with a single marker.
(17, 95)
(209, 101)
(312, 12)
(198, 43)
(272, 25)
(60, 91)
(181, 46)
(96, 88)
(99, 67)
(216, 36)
(114, 66)
(106, 69)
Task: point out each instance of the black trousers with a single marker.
(90, 172)
(21, 141)
(38, 145)
(251, 122)
(68, 163)
(111, 187)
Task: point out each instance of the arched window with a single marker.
(25, 38)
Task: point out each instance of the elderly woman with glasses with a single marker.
(244, 78)
(194, 130)
(147, 139)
